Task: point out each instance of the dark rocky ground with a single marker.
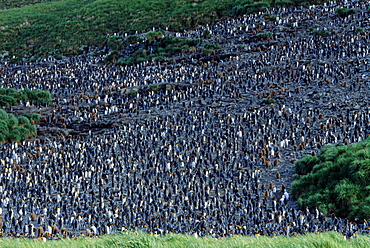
(202, 152)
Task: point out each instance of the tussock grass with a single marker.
(141, 239)
(336, 181)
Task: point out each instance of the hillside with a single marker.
(202, 143)
(33, 29)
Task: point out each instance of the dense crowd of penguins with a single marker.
(208, 158)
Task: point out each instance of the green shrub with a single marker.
(268, 100)
(12, 121)
(270, 17)
(264, 36)
(212, 46)
(24, 132)
(360, 171)
(133, 92)
(111, 57)
(306, 164)
(159, 58)
(15, 129)
(359, 30)
(3, 114)
(32, 117)
(206, 34)
(32, 129)
(337, 181)
(15, 136)
(115, 43)
(164, 47)
(43, 96)
(248, 7)
(4, 129)
(132, 39)
(3, 137)
(126, 61)
(344, 12)
(154, 87)
(36, 96)
(153, 36)
(22, 120)
(329, 153)
(6, 101)
(317, 32)
(258, 7)
(238, 10)
(207, 51)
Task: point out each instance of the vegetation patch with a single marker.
(154, 87)
(157, 48)
(319, 32)
(249, 7)
(336, 181)
(270, 17)
(264, 36)
(16, 129)
(212, 46)
(10, 97)
(268, 100)
(206, 34)
(359, 30)
(344, 12)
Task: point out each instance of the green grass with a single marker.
(336, 181)
(56, 28)
(139, 239)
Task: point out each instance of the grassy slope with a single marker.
(65, 26)
(43, 28)
(329, 239)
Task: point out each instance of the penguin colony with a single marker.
(206, 158)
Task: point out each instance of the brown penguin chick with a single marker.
(271, 186)
(33, 216)
(55, 229)
(267, 193)
(40, 231)
(277, 175)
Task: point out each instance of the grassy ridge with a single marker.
(58, 28)
(139, 239)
